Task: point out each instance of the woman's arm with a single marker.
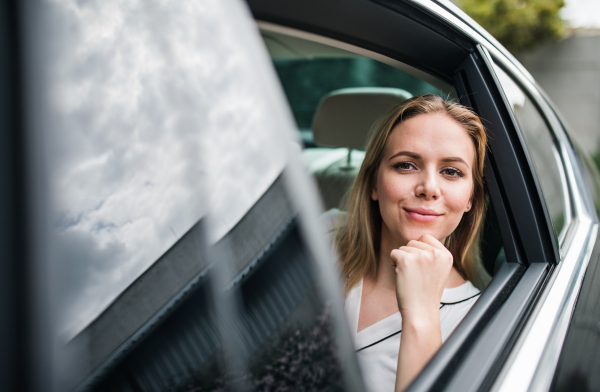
(421, 338)
(422, 269)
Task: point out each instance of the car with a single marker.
(170, 169)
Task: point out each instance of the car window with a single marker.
(311, 73)
(123, 177)
(179, 257)
(309, 70)
(542, 150)
(307, 81)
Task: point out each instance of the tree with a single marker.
(518, 24)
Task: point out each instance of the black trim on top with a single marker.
(380, 340)
(397, 332)
(427, 21)
(375, 27)
(458, 302)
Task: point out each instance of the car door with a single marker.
(535, 206)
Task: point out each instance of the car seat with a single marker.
(341, 124)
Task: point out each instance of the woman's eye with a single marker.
(452, 172)
(403, 166)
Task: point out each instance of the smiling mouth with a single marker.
(422, 215)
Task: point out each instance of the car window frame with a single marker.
(514, 288)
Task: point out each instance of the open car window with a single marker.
(336, 96)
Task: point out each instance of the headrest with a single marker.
(344, 117)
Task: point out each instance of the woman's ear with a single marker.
(468, 208)
(374, 194)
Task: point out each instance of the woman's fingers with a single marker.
(432, 241)
(419, 244)
(413, 249)
(427, 249)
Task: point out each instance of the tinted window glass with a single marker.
(181, 253)
(542, 149)
(306, 81)
(270, 328)
(121, 143)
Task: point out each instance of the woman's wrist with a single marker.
(422, 320)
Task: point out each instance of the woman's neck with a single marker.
(386, 274)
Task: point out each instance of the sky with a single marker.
(582, 13)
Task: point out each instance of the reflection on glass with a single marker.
(542, 149)
(264, 327)
(122, 150)
(179, 262)
(283, 332)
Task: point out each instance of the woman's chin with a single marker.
(417, 235)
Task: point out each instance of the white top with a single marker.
(377, 345)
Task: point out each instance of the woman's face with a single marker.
(425, 179)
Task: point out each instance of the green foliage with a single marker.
(518, 24)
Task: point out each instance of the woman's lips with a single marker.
(422, 215)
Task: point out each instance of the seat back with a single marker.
(343, 119)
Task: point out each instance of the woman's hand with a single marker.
(422, 269)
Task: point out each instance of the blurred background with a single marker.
(558, 41)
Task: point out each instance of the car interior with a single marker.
(337, 98)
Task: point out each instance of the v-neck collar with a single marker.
(392, 324)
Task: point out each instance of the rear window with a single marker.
(306, 81)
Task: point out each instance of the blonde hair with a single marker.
(358, 237)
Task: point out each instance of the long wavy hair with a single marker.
(358, 236)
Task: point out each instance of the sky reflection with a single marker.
(146, 97)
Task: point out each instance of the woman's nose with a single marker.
(428, 186)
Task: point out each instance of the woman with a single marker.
(409, 243)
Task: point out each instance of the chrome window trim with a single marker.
(568, 210)
(533, 360)
(531, 365)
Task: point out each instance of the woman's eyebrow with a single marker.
(406, 153)
(455, 159)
